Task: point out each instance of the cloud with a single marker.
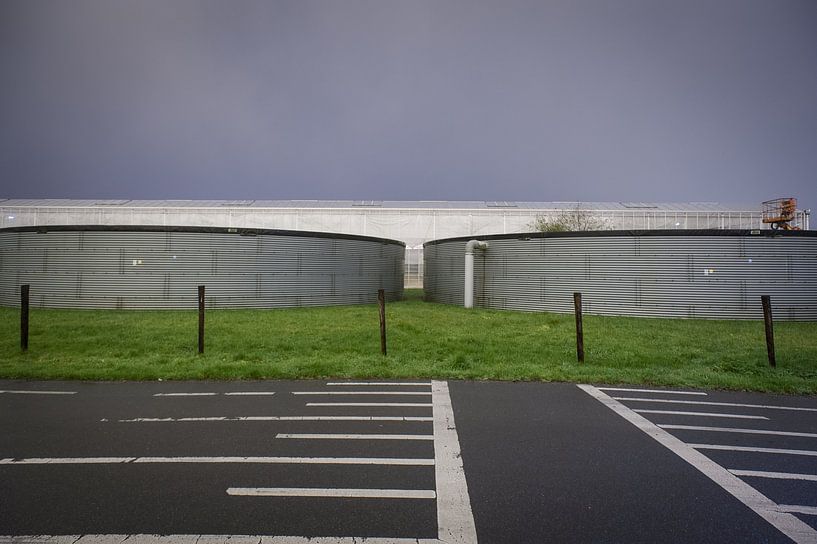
(563, 100)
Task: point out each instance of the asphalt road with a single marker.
(542, 462)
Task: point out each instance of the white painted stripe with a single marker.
(184, 394)
(753, 450)
(379, 383)
(455, 520)
(332, 492)
(797, 509)
(711, 403)
(169, 419)
(216, 418)
(666, 391)
(702, 414)
(33, 392)
(51, 539)
(427, 393)
(397, 404)
(204, 539)
(775, 475)
(66, 460)
(791, 526)
(734, 430)
(273, 418)
(357, 436)
(212, 394)
(260, 460)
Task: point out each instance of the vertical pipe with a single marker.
(468, 292)
(24, 291)
(468, 288)
(767, 320)
(381, 302)
(201, 319)
(577, 307)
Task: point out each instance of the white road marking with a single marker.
(331, 492)
(702, 414)
(396, 404)
(185, 394)
(734, 430)
(668, 392)
(753, 450)
(212, 394)
(357, 436)
(380, 383)
(711, 403)
(204, 539)
(66, 460)
(797, 509)
(167, 419)
(791, 526)
(260, 460)
(427, 393)
(455, 520)
(775, 475)
(272, 418)
(278, 418)
(32, 392)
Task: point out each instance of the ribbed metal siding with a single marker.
(144, 270)
(717, 277)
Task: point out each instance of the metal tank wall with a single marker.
(413, 222)
(160, 267)
(692, 274)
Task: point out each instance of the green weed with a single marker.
(425, 340)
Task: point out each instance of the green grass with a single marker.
(425, 341)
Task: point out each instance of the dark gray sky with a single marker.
(603, 100)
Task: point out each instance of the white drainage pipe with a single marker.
(469, 270)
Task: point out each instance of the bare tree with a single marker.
(576, 219)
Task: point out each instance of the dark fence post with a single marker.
(381, 302)
(767, 319)
(24, 291)
(577, 306)
(201, 319)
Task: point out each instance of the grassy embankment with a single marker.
(425, 340)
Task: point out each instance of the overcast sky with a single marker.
(589, 100)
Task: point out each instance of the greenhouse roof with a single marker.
(379, 204)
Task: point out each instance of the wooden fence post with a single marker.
(767, 320)
(201, 319)
(577, 307)
(381, 302)
(24, 292)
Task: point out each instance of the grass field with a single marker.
(425, 340)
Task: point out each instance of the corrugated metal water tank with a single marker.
(712, 274)
(159, 267)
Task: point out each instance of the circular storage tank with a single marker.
(137, 267)
(717, 274)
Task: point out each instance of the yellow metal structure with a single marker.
(779, 213)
